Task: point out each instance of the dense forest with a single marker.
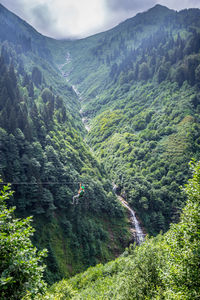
(142, 103)
(164, 267)
(44, 157)
(137, 87)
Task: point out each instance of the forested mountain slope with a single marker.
(44, 157)
(139, 84)
(164, 267)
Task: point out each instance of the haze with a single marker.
(81, 18)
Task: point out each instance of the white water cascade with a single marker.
(139, 235)
(137, 231)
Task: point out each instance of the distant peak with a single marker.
(159, 11)
(159, 7)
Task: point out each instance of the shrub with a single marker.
(21, 266)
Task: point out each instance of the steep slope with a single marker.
(25, 37)
(139, 85)
(94, 58)
(31, 50)
(44, 156)
(165, 267)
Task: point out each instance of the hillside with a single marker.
(165, 267)
(139, 85)
(44, 157)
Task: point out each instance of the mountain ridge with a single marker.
(22, 21)
(30, 27)
(142, 69)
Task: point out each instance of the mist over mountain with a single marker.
(136, 89)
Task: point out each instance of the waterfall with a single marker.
(138, 233)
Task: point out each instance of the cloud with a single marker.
(81, 18)
(36, 13)
(41, 16)
(61, 18)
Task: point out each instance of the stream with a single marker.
(136, 229)
(66, 75)
(84, 120)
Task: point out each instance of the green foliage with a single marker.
(36, 76)
(165, 267)
(183, 241)
(140, 89)
(44, 156)
(146, 146)
(21, 266)
(143, 71)
(60, 291)
(139, 84)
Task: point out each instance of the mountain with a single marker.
(137, 87)
(44, 157)
(93, 57)
(15, 30)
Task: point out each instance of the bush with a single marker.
(20, 265)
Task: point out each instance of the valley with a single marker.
(117, 109)
(135, 229)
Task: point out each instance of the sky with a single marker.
(81, 18)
